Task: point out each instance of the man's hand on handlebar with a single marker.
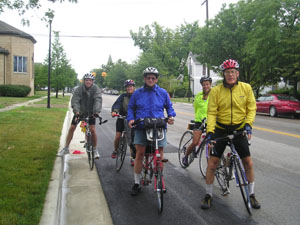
(171, 120)
(113, 114)
(130, 123)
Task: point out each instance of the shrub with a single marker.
(180, 92)
(14, 90)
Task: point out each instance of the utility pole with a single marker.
(206, 1)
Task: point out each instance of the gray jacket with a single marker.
(87, 101)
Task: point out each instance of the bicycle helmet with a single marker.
(229, 64)
(150, 70)
(205, 79)
(129, 82)
(88, 76)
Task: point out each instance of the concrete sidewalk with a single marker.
(75, 194)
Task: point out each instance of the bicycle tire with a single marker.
(90, 151)
(203, 159)
(221, 175)
(185, 141)
(242, 183)
(121, 153)
(159, 191)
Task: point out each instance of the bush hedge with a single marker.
(286, 91)
(14, 90)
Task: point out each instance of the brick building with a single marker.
(16, 57)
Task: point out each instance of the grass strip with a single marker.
(185, 100)
(7, 101)
(29, 138)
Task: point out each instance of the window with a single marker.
(261, 99)
(20, 64)
(269, 98)
(204, 70)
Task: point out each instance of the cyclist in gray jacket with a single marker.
(86, 100)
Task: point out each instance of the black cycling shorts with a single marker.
(240, 144)
(92, 120)
(197, 126)
(120, 125)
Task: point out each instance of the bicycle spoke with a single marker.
(121, 153)
(203, 159)
(242, 183)
(159, 190)
(185, 141)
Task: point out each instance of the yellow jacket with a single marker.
(231, 106)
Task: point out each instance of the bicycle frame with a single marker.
(237, 165)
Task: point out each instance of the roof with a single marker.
(3, 51)
(6, 29)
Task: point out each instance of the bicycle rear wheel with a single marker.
(121, 153)
(185, 141)
(222, 175)
(242, 183)
(159, 190)
(90, 151)
(203, 158)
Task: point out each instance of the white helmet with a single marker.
(150, 70)
(88, 76)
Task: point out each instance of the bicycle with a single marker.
(124, 141)
(186, 140)
(224, 172)
(152, 163)
(88, 143)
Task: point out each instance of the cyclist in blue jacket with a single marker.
(148, 101)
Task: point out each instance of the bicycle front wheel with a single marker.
(203, 158)
(185, 141)
(242, 183)
(121, 153)
(90, 151)
(221, 175)
(159, 190)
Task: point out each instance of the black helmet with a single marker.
(128, 82)
(150, 70)
(205, 79)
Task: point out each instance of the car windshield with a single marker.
(286, 97)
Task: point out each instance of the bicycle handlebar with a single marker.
(83, 117)
(142, 119)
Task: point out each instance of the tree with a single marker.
(62, 74)
(40, 76)
(23, 6)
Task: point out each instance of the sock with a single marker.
(251, 188)
(137, 178)
(66, 147)
(209, 189)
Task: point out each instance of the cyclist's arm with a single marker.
(117, 104)
(97, 101)
(212, 111)
(75, 101)
(131, 107)
(251, 107)
(169, 106)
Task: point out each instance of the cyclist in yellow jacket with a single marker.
(231, 107)
(200, 107)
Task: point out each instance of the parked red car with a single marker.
(274, 104)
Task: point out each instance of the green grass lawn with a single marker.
(29, 138)
(7, 101)
(186, 100)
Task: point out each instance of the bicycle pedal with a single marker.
(225, 193)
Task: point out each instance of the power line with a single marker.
(87, 36)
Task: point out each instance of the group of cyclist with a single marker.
(228, 107)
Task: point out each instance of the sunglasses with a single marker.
(151, 78)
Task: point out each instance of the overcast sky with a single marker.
(107, 18)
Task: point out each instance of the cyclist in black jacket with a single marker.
(120, 107)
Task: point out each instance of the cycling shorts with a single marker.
(92, 120)
(140, 138)
(197, 126)
(240, 144)
(120, 125)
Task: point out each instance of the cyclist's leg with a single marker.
(196, 139)
(119, 130)
(117, 140)
(71, 131)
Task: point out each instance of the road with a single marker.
(275, 151)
